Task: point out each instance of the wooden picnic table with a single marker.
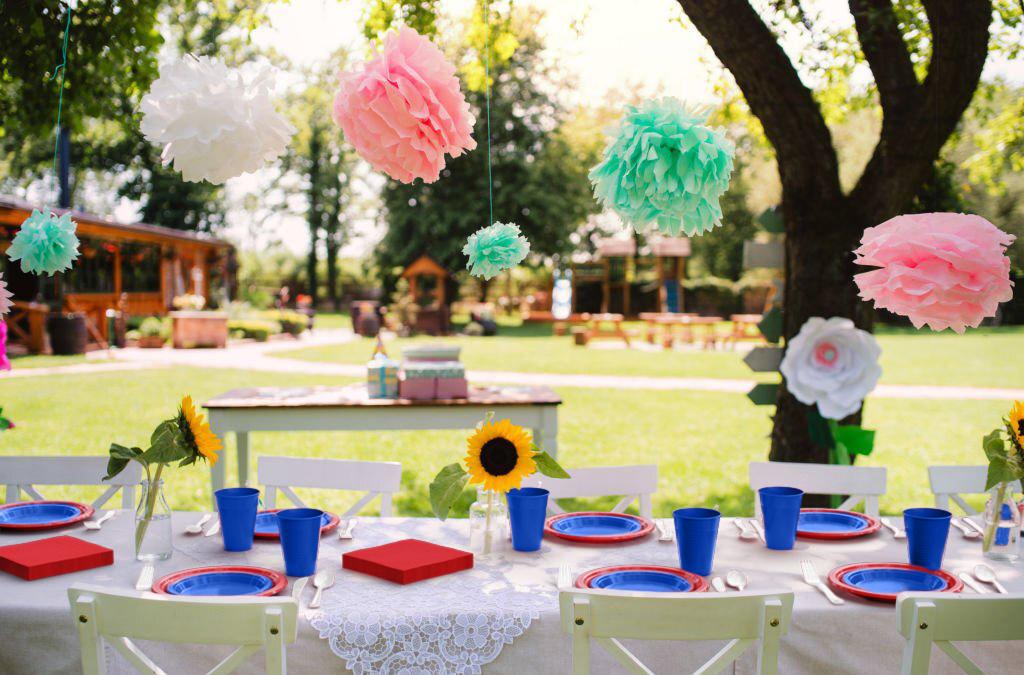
(685, 324)
(745, 327)
(651, 325)
(350, 408)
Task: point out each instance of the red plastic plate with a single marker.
(836, 579)
(874, 524)
(697, 584)
(278, 580)
(646, 527)
(331, 524)
(85, 512)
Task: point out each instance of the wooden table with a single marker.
(348, 408)
(686, 324)
(651, 325)
(600, 326)
(745, 327)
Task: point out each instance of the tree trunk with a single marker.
(314, 216)
(332, 269)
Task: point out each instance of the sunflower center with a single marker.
(498, 456)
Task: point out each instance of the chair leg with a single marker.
(768, 654)
(94, 660)
(918, 651)
(274, 643)
(581, 637)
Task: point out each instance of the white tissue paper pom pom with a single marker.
(213, 123)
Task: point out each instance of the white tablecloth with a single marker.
(502, 616)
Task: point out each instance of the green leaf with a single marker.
(119, 458)
(858, 440)
(547, 465)
(771, 325)
(446, 488)
(167, 444)
(765, 393)
(999, 471)
(994, 445)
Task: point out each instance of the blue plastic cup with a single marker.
(780, 508)
(237, 508)
(696, 536)
(927, 531)
(527, 511)
(300, 540)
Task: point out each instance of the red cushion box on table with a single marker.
(49, 557)
(408, 560)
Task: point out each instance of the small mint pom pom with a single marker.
(494, 249)
(45, 244)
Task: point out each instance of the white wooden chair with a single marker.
(637, 483)
(741, 618)
(23, 474)
(123, 616)
(950, 482)
(375, 478)
(940, 619)
(862, 483)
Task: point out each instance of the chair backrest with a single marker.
(123, 616)
(23, 474)
(950, 482)
(862, 483)
(925, 619)
(374, 478)
(634, 483)
(741, 618)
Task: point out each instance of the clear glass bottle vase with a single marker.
(151, 536)
(488, 522)
(1002, 525)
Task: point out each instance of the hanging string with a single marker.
(487, 97)
(62, 69)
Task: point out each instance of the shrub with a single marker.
(292, 323)
(254, 329)
(153, 326)
(711, 296)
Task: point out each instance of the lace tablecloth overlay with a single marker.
(451, 624)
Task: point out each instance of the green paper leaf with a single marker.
(856, 439)
(547, 465)
(764, 394)
(446, 488)
(771, 325)
(819, 429)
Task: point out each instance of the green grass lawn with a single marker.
(45, 361)
(981, 358)
(702, 442)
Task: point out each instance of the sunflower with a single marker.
(1015, 425)
(500, 455)
(196, 430)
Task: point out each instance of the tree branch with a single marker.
(790, 116)
(913, 134)
(885, 51)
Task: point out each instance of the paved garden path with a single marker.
(258, 356)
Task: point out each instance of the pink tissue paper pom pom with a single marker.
(403, 110)
(946, 270)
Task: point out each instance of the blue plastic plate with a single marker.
(642, 581)
(39, 515)
(646, 578)
(834, 524)
(221, 581)
(598, 527)
(883, 581)
(266, 524)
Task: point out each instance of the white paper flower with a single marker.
(833, 364)
(214, 123)
(5, 297)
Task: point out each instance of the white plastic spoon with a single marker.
(736, 579)
(987, 575)
(197, 528)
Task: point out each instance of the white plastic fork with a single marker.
(97, 524)
(897, 533)
(565, 575)
(666, 530)
(812, 579)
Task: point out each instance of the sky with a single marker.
(605, 46)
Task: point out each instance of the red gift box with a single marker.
(49, 557)
(408, 560)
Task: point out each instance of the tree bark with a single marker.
(823, 225)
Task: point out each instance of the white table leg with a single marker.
(218, 475)
(242, 447)
(546, 435)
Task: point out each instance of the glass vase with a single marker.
(151, 536)
(1002, 525)
(488, 522)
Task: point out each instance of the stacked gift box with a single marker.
(381, 374)
(432, 372)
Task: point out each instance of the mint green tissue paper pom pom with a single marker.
(45, 244)
(664, 166)
(494, 249)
